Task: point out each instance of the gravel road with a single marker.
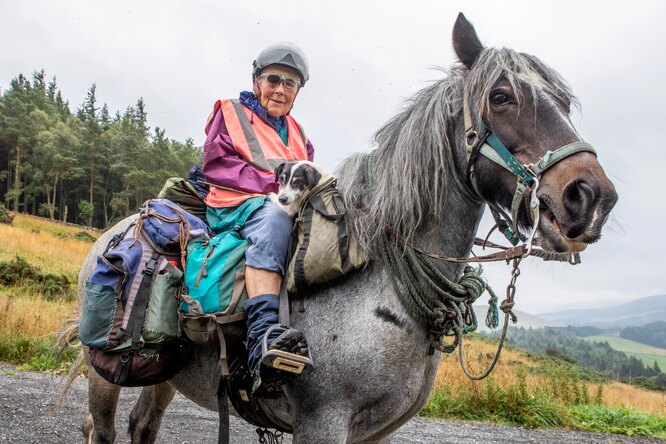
(26, 400)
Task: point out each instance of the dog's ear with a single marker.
(279, 170)
(312, 176)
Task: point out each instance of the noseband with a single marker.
(484, 142)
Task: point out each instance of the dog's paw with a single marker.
(274, 198)
(291, 210)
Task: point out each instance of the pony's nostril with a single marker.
(578, 197)
(282, 199)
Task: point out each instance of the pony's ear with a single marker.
(465, 41)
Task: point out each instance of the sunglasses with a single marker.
(275, 80)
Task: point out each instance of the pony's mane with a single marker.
(410, 171)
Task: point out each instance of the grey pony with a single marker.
(373, 371)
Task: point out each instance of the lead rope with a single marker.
(444, 306)
(268, 437)
(506, 306)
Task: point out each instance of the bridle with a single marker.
(484, 142)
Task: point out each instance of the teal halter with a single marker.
(486, 143)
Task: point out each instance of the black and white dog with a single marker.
(297, 179)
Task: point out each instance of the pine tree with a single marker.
(15, 128)
(90, 154)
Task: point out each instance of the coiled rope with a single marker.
(442, 305)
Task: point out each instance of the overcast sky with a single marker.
(366, 58)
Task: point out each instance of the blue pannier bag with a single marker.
(129, 318)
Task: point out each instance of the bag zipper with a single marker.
(202, 271)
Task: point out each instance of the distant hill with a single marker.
(637, 312)
(525, 320)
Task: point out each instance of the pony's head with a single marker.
(515, 99)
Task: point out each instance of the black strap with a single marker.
(284, 304)
(318, 204)
(121, 373)
(117, 238)
(223, 413)
(299, 264)
(135, 322)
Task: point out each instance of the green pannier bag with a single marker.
(181, 192)
(214, 274)
(211, 311)
(323, 249)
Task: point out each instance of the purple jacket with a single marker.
(225, 167)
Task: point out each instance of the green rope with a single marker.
(433, 299)
(427, 294)
(492, 316)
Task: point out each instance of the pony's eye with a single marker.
(499, 98)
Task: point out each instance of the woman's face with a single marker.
(277, 98)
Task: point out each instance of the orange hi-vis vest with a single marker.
(259, 144)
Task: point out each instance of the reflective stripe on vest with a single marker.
(258, 142)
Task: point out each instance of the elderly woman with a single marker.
(246, 139)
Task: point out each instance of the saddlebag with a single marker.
(129, 316)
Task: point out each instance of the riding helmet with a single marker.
(282, 53)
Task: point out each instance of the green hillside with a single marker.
(647, 353)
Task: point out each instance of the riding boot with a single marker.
(276, 353)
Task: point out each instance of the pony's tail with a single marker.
(68, 338)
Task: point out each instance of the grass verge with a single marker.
(537, 391)
(29, 353)
(623, 420)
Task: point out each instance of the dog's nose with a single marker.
(282, 199)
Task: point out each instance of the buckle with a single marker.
(151, 264)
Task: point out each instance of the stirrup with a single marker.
(288, 354)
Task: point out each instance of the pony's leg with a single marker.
(146, 416)
(323, 426)
(385, 440)
(99, 424)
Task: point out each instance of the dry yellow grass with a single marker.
(32, 315)
(618, 394)
(33, 238)
(478, 355)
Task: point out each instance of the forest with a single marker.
(653, 333)
(562, 343)
(86, 166)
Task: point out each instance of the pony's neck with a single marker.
(452, 233)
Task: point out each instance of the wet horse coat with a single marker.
(373, 371)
